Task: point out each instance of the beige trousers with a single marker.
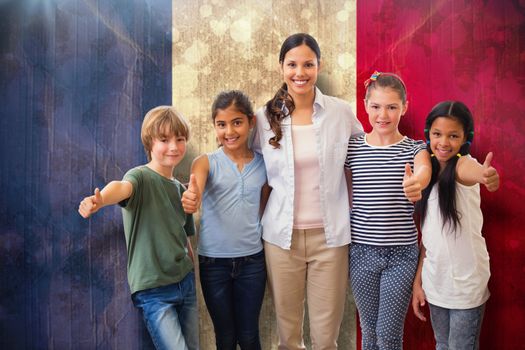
(322, 272)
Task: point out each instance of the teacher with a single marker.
(303, 136)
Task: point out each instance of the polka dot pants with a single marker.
(381, 280)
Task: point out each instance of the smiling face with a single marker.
(446, 138)
(300, 68)
(384, 107)
(167, 151)
(232, 128)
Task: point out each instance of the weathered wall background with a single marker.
(471, 51)
(76, 79)
(219, 45)
(77, 76)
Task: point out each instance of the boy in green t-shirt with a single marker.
(160, 258)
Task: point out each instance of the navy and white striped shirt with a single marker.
(381, 215)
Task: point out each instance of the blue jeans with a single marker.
(456, 329)
(381, 278)
(233, 290)
(171, 315)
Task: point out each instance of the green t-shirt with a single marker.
(156, 230)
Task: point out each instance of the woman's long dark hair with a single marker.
(282, 104)
(446, 179)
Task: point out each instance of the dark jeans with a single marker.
(233, 290)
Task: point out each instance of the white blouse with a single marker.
(333, 123)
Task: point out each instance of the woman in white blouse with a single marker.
(303, 136)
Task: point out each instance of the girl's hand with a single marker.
(91, 204)
(190, 198)
(490, 175)
(418, 301)
(411, 185)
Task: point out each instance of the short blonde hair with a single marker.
(155, 123)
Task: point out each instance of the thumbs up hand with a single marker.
(91, 204)
(191, 197)
(411, 185)
(490, 174)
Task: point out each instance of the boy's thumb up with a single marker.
(488, 160)
(190, 198)
(98, 197)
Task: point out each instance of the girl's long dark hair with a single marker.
(446, 179)
(282, 104)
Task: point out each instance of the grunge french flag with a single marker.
(77, 76)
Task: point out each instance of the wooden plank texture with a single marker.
(226, 44)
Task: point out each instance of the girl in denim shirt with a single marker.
(228, 182)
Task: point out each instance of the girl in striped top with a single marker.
(384, 251)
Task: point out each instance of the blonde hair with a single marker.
(155, 123)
